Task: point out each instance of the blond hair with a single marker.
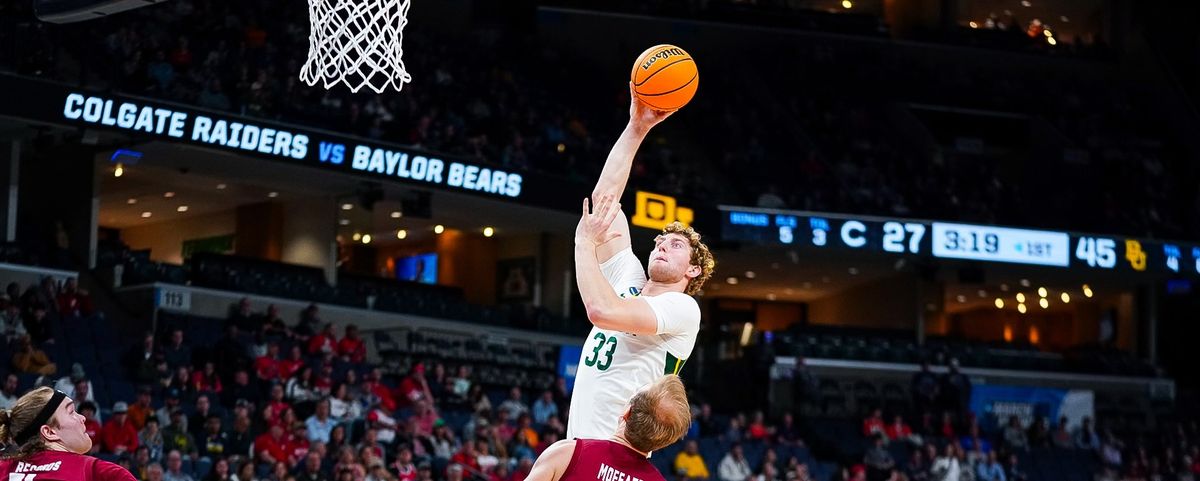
(701, 256)
(17, 419)
(659, 415)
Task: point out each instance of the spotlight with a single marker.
(401, 234)
(488, 231)
(438, 229)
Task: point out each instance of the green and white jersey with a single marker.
(615, 365)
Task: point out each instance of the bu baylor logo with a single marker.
(655, 211)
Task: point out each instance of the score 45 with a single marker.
(1098, 252)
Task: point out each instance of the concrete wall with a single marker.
(885, 303)
(309, 230)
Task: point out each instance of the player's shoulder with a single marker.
(107, 471)
(679, 302)
(565, 447)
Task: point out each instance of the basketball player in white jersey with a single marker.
(643, 326)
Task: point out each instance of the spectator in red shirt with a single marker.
(873, 425)
(276, 403)
(405, 469)
(181, 56)
(370, 441)
(413, 388)
(948, 425)
(268, 367)
(88, 410)
(467, 457)
(119, 436)
(292, 365)
(297, 444)
(73, 301)
(351, 347)
(758, 427)
(504, 428)
(372, 386)
(324, 342)
(323, 381)
(898, 430)
(271, 446)
(207, 380)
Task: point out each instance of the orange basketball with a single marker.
(665, 77)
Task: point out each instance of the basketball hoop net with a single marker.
(356, 42)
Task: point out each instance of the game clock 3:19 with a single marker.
(971, 241)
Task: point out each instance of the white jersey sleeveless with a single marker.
(615, 365)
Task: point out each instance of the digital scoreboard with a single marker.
(946, 240)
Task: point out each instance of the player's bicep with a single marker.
(634, 316)
(607, 250)
(553, 461)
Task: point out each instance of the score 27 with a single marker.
(895, 232)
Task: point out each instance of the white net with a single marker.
(356, 42)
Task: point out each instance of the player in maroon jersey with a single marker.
(657, 416)
(45, 440)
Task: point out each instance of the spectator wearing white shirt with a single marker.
(946, 467)
(734, 466)
(67, 384)
(9, 393)
(514, 405)
(11, 323)
(384, 424)
(343, 407)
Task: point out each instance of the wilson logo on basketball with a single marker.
(670, 52)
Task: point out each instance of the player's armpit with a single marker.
(626, 315)
(607, 250)
(553, 462)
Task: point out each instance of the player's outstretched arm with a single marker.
(553, 461)
(615, 174)
(604, 309)
(617, 166)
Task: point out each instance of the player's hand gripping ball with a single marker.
(665, 77)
